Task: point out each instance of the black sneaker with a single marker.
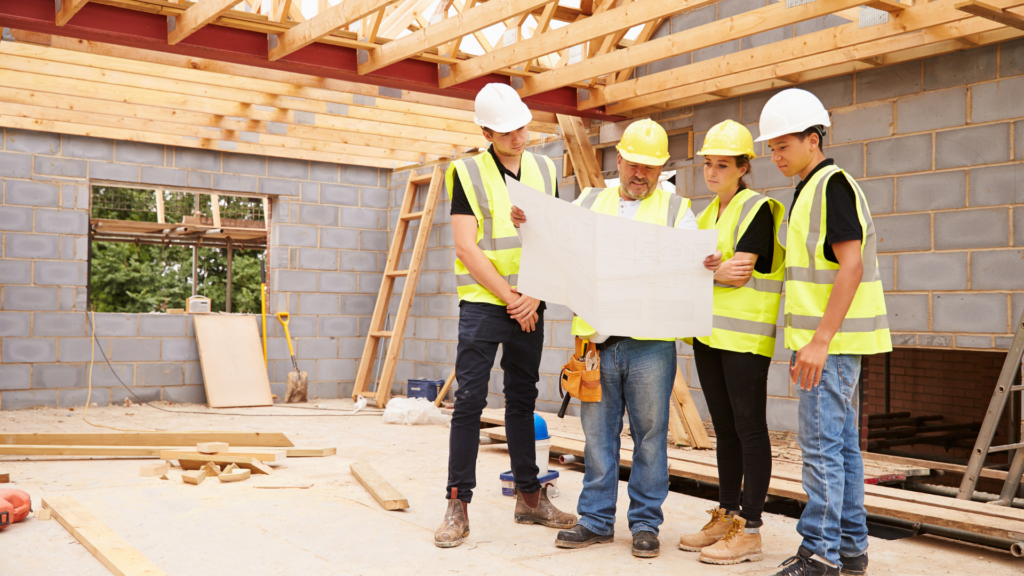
(803, 565)
(580, 537)
(645, 544)
(854, 565)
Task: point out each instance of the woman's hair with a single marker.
(744, 162)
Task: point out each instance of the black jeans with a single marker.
(481, 328)
(735, 385)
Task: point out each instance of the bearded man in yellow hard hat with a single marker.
(636, 373)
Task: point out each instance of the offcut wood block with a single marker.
(155, 469)
(211, 447)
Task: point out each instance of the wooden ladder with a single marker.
(1005, 387)
(378, 324)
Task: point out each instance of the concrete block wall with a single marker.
(329, 233)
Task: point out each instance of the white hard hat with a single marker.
(499, 108)
(790, 112)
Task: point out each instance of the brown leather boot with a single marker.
(737, 546)
(712, 532)
(456, 523)
(535, 508)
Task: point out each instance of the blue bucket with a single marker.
(423, 388)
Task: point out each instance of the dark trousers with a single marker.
(482, 327)
(735, 385)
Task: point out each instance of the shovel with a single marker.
(297, 380)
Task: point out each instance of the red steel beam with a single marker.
(114, 25)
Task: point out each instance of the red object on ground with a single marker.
(15, 506)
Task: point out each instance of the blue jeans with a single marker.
(636, 377)
(834, 521)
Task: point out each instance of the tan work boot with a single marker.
(737, 546)
(456, 523)
(712, 532)
(535, 508)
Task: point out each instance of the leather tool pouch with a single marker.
(576, 380)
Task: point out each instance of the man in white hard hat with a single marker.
(493, 312)
(636, 373)
(835, 313)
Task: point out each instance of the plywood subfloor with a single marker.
(336, 528)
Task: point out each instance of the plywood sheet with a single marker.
(231, 355)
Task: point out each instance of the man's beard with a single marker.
(626, 189)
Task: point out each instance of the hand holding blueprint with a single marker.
(625, 278)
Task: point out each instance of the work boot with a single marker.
(803, 565)
(645, 544)
(854, 565)
(737, 546)
(456, 523)
(712, 532)
(535, 508)
(580, 537)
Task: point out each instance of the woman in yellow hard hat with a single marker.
(733, 362)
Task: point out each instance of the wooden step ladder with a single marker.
(378, 324)
(1005, 387)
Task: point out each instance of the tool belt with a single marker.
(579, 381)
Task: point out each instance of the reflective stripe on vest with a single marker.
(503, 251)
(865, 330)
(745, 317)
(673, 214)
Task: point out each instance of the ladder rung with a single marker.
(421, 179)
(381, 334)
(397, 273)
(1015, 388)
(412, 216)
(1006, 447)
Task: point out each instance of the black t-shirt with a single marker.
(841, 219)
(460, 204)
(759, 238)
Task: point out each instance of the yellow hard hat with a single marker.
(728, 138)
(644, 142)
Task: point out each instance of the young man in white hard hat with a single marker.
(492, 312)
(733, 361)
(636, 373)
(835, 313)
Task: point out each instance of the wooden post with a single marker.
(159, 206)
(215, 208)
(227, 304)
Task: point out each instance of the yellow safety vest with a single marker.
(661, 208)
(495, 234)
(744, 318)
(809, 275)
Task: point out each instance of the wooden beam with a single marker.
(640, 92)
(688, 411)
(543, 24)
(740, 26)
(195, 461)
(607, 22)
(269, 439)
(68, 8)
(381, 490)
(198, 15)
(992, 13)
(446, 30)
(255, 453)
(338, 16)
(584, 159)
(279, 10)
(396, 22)
(110, 549)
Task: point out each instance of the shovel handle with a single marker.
(283, 317)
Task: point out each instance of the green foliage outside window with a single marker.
(151, 278)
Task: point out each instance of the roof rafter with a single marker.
(473, 20)
(321, 25)
(68, 8)
(992, 13)
(741, 25)
(676, 83)
(198, 15)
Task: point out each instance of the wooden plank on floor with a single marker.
(382, 491)
(110, 549)
(262, 439)
(998, 521)
(261, 455)
(195, 461)
(231, 356)
(264, 454)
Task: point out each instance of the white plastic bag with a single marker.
(411, 411)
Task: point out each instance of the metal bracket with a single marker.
(871, 17)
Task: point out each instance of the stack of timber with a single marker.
(995, 521)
